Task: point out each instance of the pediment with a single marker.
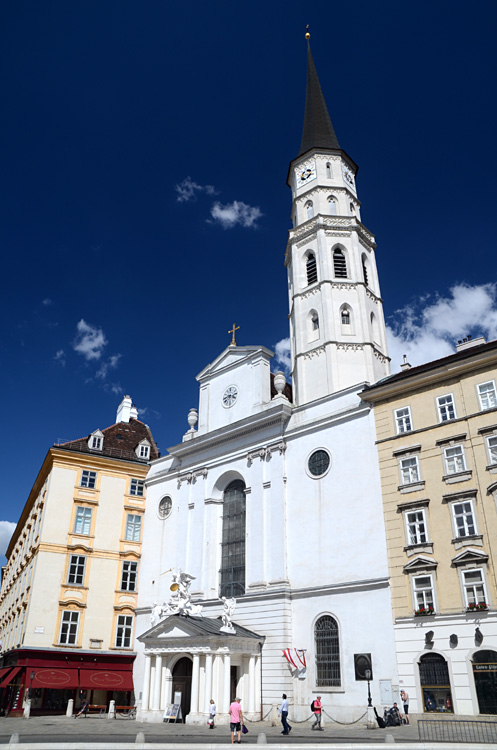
(200, 629)
(470, 555)
(420, 563)
(233, 356)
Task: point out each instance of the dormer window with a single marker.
(96, 441)
(143, 450)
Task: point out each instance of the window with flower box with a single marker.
(474, 589)
(446, 408)
(423, 595)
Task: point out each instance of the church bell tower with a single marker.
(337, 328)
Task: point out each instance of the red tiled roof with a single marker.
(120, 441)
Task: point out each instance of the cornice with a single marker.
(328, 224)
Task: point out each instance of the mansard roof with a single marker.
(119, 441)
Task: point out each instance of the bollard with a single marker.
(70, 706)
(14, 739)
(112, 710)
(389, 738)
(261, 738)
(140, 738)
(27, 708)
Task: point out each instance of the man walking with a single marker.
(283, 712)
(317, 708)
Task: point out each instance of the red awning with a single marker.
(3, 672)
(58, 679)
(103, 679)
(8, 679)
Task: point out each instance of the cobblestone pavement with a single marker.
(61, 729)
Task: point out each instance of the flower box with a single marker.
(481, 607)
(423, 611)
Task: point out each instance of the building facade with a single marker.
(70, 585)
(437, 443)
(273, 495)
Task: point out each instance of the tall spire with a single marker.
(318, 129)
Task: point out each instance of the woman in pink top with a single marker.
(236, 720)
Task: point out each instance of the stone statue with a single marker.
(180, 601)
(227, 616)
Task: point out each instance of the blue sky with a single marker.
(118, 281)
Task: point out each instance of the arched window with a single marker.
(311, 269)
(339, 264)
(364, 270)
(345, 316)
(328, 170)
(375, 329)
(435, 683)
(332, 206)
(233, 543)
(352, 208)
(310, 209)
(314, 321)
(327, 647)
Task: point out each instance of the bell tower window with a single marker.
(332, 206)
(339, 264)
(311, 269)
(364, 270)
(328, 170)
(309, 207)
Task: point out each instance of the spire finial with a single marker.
(307, 35)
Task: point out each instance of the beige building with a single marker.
(437, 445)
(70, 585)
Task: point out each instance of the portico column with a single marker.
(258, 686)
(146, 683)
(157, 682)
(208, 681)
(226, 683)
(195, 683)
(251, 700)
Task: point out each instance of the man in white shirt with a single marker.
(283, 712)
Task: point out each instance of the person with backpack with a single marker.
(316, 708)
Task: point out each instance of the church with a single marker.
(264, 566)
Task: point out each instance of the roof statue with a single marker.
(227, 616)
(180, 602)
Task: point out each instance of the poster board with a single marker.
(172, 712)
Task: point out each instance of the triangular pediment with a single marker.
(420, 563)
(470, 555)
(178, 627)
(233, 356)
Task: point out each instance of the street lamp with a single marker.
(367, 674)
(32, 676)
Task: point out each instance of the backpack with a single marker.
(312, 706)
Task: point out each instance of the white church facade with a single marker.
(273, 496)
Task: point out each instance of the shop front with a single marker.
(52, 678)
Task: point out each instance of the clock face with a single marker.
(306, 175)
(230, 396)
(348, 176)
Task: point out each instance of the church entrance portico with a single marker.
(193, 656)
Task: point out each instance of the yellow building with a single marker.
(437, 444)
(70, 585)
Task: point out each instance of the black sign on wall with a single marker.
(361, 663)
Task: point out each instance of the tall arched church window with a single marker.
(311, 269)
(233, 541)
(435, 683)
(310, 209)
(327, 649)
(328, 170)
(364, 270)
(339, 264)
(332, 206)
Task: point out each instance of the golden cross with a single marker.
(235, 328)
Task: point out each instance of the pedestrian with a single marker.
(283, 712)
(83, 709)
(236, 720)
(317, 708)
(212, 713)
(405, 702)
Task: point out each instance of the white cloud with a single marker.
(90, 341)
(60, 356)
(425, 331)
(110, 364)
(231, 214)
(47, 301)
(187, 190)
(283, 356)
(6, 531)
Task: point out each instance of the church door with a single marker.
(485, 673)
(182, 682)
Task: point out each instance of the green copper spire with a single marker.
(318, 129)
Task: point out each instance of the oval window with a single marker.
(319, 463)
(165, 507)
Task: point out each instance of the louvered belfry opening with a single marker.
(339, 264)
(327, 652)
(233, 541)
(311, 269)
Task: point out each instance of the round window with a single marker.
(165, 507)
(319, 463)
